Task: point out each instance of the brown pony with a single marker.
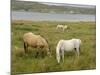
(35, 41)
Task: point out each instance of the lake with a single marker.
(36, 16)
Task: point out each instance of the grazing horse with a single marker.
(67, 45)
(63, 27)
(35, 41)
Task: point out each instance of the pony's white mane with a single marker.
(58, 50)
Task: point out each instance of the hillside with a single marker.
(42, 7)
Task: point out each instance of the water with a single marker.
(36, 16)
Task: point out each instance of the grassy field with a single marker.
(27, 63)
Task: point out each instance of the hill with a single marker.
(52, 7)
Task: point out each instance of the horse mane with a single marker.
(43, 37)
(45, 40)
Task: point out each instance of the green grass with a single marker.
(27, 63)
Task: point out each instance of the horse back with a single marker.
(77, 43)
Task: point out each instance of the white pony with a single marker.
(59, 26)
(67, 45)
(63, 27)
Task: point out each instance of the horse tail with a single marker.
(25, 48)
(58, 50)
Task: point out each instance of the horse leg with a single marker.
(42, 53)
(25, 47)
(62, 53)
(37, 53)
(77, 49)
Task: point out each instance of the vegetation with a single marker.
(27, 63)
(40, 7)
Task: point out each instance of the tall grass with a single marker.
(27, 63)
